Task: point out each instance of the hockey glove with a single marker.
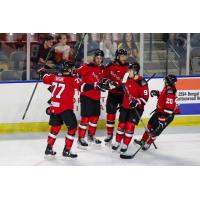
(42, 71)
(154, 93)
(101, 86)
(163, 119)
(133, 104)
(109, 84)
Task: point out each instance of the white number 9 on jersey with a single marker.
(145, 92)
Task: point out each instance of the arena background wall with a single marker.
(15, 96)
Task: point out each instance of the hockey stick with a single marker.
(36, 85)
(130, 98)
(79, 46)
(146, 129)
(123, 156)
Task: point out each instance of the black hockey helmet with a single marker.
(170, 79)
(66, 67)
(99, 52)
(135, 66)
(120, 52)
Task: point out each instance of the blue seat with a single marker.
(18, 60)
(11, 75)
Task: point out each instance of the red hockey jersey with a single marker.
(137, 89)
(166, 100)
(62, 91)
(91, 73)
(115, 72)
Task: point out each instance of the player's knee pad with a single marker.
(130, 126)
(55, 129)
(122, 125)
(84, 120)
(94, 119)
(84, 123)
(111, 117)
(72, 131)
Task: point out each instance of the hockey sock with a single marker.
(69, 138)
(146, 135)
(93, 125)
(83, 127)
(53, 134)
(129, 130)
(110, 123)
(120, 131)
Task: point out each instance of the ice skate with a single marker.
(68, 154)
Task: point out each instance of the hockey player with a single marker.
(63, 87)
(115, 72)
(90, 100)
(132, 107)
(164, 113)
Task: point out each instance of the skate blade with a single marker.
(108, 144)
(94, 145)
(82, 147)
(68, 158)
(49, 157)
(115, 151)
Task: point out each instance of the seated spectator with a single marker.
(176, 43)
(92, 46)
(18, 57)
(108, 46)
(128, 43)
(45, 53)
(79, 51)
(195, 40)
(62, 50)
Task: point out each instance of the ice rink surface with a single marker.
(177, 146)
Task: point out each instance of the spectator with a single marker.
(108, 46)
(92, 46)
(45, 54)
(128, 43)
(176, 43)
(62, 50)
(195, 40)
(79, 50)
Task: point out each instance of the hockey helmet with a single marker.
(170, 79)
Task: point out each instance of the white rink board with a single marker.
(15, 96)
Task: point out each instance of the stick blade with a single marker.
(123, 156)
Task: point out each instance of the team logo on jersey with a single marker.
(115, 75)
(95, 76)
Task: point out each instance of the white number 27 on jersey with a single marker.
(58, 86)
